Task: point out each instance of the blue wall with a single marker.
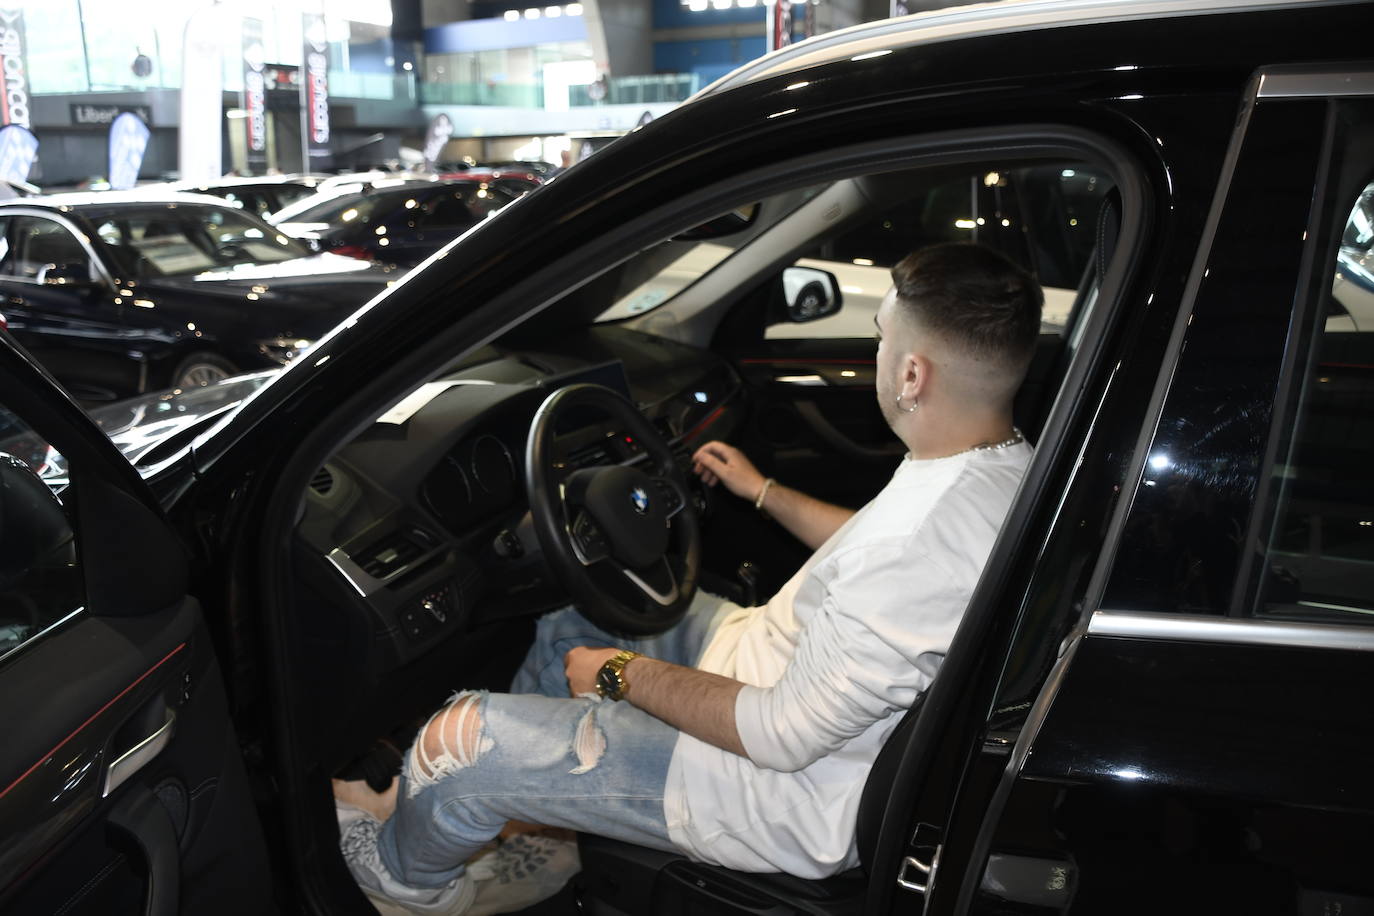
(498, 34)
(709, 59)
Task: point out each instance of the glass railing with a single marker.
(511, 95)
(638, 90)
(624, 90)
(351, 85)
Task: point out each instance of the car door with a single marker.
(64, 308)
(121, 784)
(1196, 737)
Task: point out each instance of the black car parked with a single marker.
(399, 223)
(261, 196)
(121, 293)
(1157, 699)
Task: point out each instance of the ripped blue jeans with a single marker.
(540, 756)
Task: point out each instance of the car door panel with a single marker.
(121, 779)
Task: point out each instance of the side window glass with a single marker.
(40, 582)
(46, 251)
(1319, 561)
(1040, 217)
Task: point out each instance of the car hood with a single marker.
(301, 281)
(152, 426)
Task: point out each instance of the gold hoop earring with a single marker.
(911, 409)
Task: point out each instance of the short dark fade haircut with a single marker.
(973, 297)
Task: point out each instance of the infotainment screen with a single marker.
(611, 374)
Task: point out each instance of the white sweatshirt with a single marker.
(830, 663)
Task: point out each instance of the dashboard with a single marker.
(422, 521)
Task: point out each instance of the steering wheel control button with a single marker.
(671, 498)
(591, 543)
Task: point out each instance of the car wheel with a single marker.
(200, 369)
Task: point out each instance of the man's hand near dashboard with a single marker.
(692, 701)
(810, 520)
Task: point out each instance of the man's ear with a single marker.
(916, 375)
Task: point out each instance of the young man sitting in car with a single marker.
(743, 736)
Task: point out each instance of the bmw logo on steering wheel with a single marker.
(640, 500)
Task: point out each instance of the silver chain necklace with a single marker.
(1016, 439)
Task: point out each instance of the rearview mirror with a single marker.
(809, 293)
(736, 220)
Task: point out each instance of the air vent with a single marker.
(392, 553)
(323, 481)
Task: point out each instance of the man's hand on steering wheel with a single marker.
(717, 462)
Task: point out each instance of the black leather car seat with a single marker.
(620, 879)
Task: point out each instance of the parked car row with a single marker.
(124, 292)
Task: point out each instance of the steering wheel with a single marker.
(623, 539)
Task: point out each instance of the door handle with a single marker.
(136, 757)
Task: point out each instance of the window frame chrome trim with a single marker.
(1316, 84)
(1247, 631)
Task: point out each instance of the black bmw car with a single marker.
(119, 293)
(399, 222)
(1156, 701)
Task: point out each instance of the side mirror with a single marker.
(64, 275)
(810, 294)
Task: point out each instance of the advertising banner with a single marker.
(315, 93)
(440, 129)
(128, 142)
(779, 24)
(200, 151)
(18, 150)
(14, 76)
(254, 96)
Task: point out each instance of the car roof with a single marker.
(982, 19)
(140, 196)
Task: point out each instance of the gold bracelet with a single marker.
(763, 493)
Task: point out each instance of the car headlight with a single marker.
(282, 350)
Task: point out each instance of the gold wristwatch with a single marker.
(610, 679)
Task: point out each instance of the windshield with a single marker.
(344, 208)
(178, 240)
(657, 274)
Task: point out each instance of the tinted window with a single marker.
(34, 246)
(458, 206)
(1040, 217)
(181, 240)
(1320, 556)
(40, 582)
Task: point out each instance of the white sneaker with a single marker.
(358, 832)
(521, 871)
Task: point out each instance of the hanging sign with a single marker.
(18, 150)
(254, 96)
(128, 142)
(440, 129)
(779, 24)
(14, 100)
(200, 150)
(315, 93)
